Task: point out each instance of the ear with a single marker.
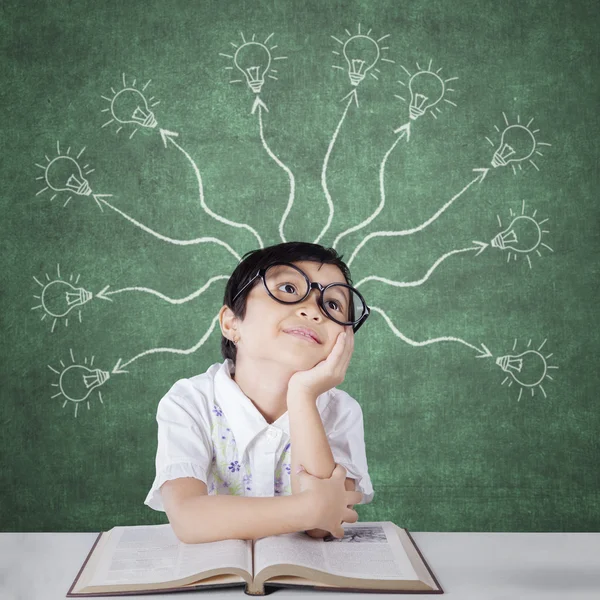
(228, 322)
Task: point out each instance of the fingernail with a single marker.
(299, 469)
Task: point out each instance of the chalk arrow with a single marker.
(167, 135)
(116, 369)
(404, 128)
(483, 172)
(101, 295)
(98, 199)
(485, 353)
(258, 103)
(354, 95)
(482, 246)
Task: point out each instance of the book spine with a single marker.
(253, 589)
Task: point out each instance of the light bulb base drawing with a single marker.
(418, 106)
(256, 86)
(97, 377)
(498, 160)
(355, 75)
(498, 242)
(150, 121)
(415, 112)
(79, 297)
(509, 363)
(84, 189)
(145, 118)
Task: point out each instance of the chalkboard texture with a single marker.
(448, 150)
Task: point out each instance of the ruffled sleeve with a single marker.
(344, 427)
(184, 444)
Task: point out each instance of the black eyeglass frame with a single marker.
(311, 285)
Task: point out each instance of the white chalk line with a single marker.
(480, 177)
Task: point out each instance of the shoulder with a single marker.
(189, 398)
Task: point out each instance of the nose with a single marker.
(308, 306)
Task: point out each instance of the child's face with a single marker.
(261, 333)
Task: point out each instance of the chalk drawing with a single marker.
(77, 381)
(517, 144)
(361, 53)
(253, 60)
(527, 369)
(427, 89)
(129, 105)
(522, 236)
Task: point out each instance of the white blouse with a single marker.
(209, 429)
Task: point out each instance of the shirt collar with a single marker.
(244, 419)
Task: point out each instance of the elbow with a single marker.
(179, 524)
(178, 530)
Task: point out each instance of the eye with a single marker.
(334, 302)
(286, 284)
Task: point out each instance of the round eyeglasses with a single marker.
(288, 284)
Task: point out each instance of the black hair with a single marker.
(257, 259)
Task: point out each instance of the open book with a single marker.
(373, 556)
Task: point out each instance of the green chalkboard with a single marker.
(448, 150)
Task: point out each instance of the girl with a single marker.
(232, 440)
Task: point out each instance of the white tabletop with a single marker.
(468, 566)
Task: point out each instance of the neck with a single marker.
(265, 383)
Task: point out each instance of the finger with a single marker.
(338, 347)
(346, 347)
(349, 342)
(336, 356)
(350, 516)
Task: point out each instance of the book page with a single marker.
(154, 554)
(369, 550)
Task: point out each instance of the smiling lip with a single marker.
(303, 333)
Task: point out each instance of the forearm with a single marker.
(310, 447)
(220, 517)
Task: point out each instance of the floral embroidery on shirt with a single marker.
(229, 475)
(284, 466)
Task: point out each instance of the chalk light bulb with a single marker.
(78, 382)
(426, 90)
(522, 235)
(361, 53)
(59, 298)
(517, 144)
(63, 174)
(253, 59)
(130, 106)
(528, 368)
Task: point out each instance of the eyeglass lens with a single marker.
(287, 284)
